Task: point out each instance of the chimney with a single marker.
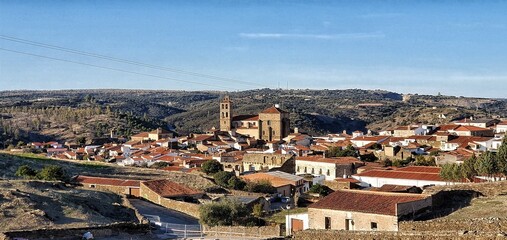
(296, 130)
(345, 173)
(408, 127)
(344, 131)
(277, 105)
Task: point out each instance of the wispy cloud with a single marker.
(381, 15)
(342, 36)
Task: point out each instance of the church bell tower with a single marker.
(225, 114)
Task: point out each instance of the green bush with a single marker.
(52, 173)
(320, 189)
(226, 212)
(222, 178)
(26, 172)
(262, 186)
(211, 167)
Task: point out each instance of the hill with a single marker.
(27, 205)
(70, 115)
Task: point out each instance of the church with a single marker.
(272, 124)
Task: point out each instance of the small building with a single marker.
(331, 168)
(418, 176)
(268, 161)
(285, 184)
(358, 210)
(120, 186)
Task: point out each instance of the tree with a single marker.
(52, 173)
(26, 172)
(422, 161)
(486, 164)
(322, 190)
(226, 212)
(222, 178)
(257, 210)
(159, 165)
(468, 170)
(211, 167)
(236, 183)
(262, 186)
(446, 172)
(501, 157)
(349, 151)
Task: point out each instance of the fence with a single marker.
(172, 230)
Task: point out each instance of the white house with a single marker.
(295, 222)
(365, 140)
(501, 127)
(331, 168)
(408, 176)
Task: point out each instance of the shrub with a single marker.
(320, 189)
(52, 173)
(226, 212)
(211, 167)
(26, 172)
(262, 186)
(222, 178)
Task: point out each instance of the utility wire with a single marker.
(113, 69)
(168, 69)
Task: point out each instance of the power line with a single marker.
(113, 69)
(89, 54)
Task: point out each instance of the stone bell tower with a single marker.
(225, 114)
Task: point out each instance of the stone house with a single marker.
(331, 168)
(285, 184)
(268, 161)
(358, 210)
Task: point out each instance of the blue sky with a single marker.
(451, 47)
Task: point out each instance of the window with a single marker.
(222, 106)
(226, 106)
(226, 114)
(273, 132)
(269, 122)
(297, 169)
(373, 226)
(92, 185)
(305, 170)
(320, 171)
(328, 172)
(313, 171)
(327, 222)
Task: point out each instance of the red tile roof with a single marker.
(420, 169)
(338, 160)
(108, 181)
(366, 201)
(395, 174)
(470, 129)
(273, 110)
(166, 188)
(245, 118)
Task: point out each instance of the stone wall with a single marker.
(188, 208)
(241, 231)
(461, 225)
(76, 233)
(486, 189)
(373, 235)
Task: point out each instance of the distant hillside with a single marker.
(130, 111)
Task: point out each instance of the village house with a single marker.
(501, 127)
(419, 176)
(363, 141)
(268, 161)
(357, 210)
(120, 186)
(481, 123)
(286, 184)
(473, 131)
(406, 131)
(331, 168)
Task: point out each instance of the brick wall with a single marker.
(188, 208)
